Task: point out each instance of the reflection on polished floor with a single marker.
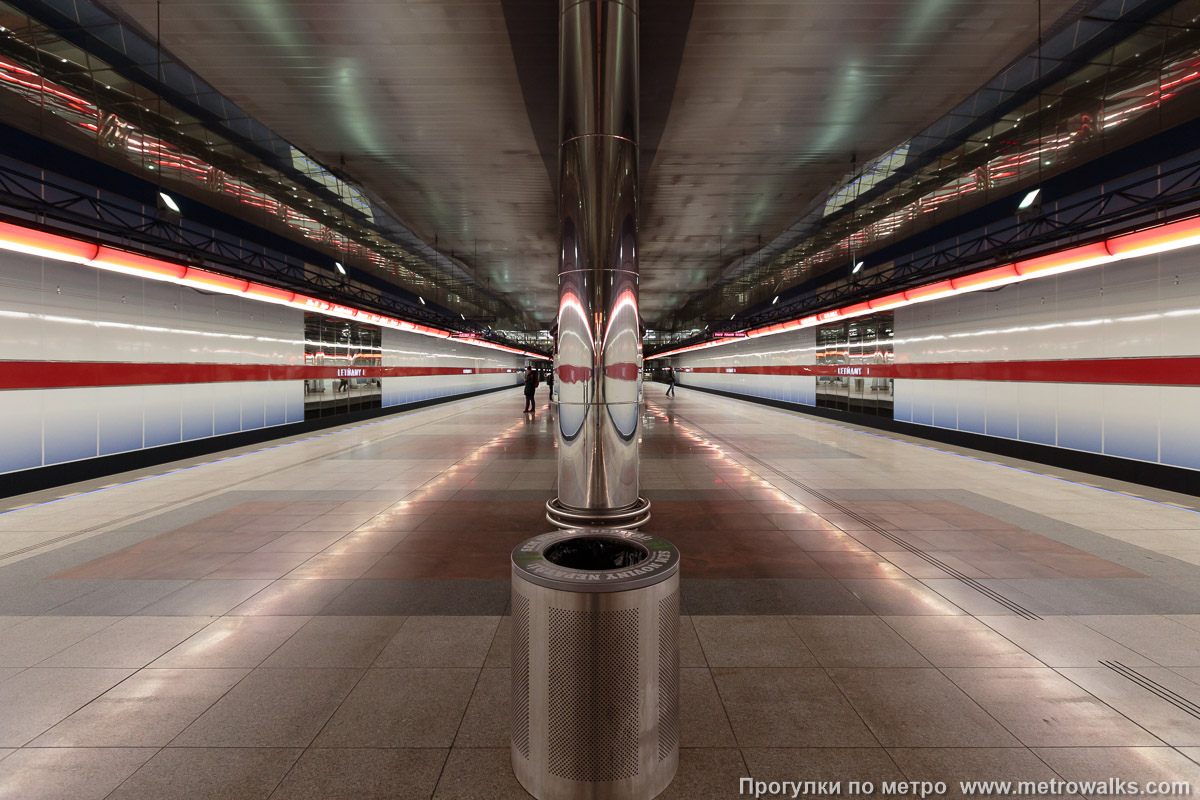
(327, 617)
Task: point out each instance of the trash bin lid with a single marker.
(579, 560)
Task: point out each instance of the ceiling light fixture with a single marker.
(1029, 199)
(857, 267)
(169, 202)
(339, 266)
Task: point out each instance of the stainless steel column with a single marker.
(599, 354)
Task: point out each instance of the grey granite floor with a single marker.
(855, 610)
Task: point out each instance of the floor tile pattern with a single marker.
(328, 618)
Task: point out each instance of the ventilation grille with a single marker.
(593, 694)
(668, 675)
(520, 673)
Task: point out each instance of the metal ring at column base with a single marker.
(617, 519)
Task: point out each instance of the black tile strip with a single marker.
(1149, 684)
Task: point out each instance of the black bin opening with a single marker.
(595, 553)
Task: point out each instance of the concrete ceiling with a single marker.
(446, 109)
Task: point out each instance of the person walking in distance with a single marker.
(550, 382)
(670, 381)
(531, 383)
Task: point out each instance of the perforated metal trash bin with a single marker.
(595, 665)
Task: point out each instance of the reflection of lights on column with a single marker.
(569, 302)
(626, 300)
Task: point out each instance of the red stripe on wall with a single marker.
(1181, 371)
(64, 374)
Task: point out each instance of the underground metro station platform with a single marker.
(599, 399)
(330, 616)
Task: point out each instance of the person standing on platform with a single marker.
(531, 383)
(670, 381)
(550, 383)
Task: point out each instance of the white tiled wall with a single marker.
(785, 349)
(403, 349)
(52, 311)
(1142, 308)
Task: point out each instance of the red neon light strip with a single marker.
(79, 374)
(214, 281)
(1182, 371)
(132, 263)
(40, 243)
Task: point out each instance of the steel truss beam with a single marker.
(71, 209)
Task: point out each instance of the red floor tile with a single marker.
(845, 564)
(1084, 565)
(260, 566)
(393, 522)
(334, 566)
(801, 522)
(367, 542)
(274, 523)
(957, 540)
(1009, 565)
(235, 542)
(825, 540)
(182, 566)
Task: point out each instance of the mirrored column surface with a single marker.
(599, 356)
